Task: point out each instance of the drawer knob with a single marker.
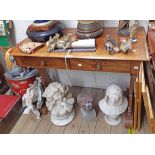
(43, 63)
(98, 66)
(136, 67)
(79, 65)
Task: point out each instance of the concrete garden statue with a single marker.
(59, 102)
(113, 104)
(32, 99)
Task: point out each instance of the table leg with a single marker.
(136, 102)
(139, 107)
(45, 77)
(45, 80)
(129, 115)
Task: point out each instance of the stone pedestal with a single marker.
(88, 115)
(113, 120)
(61, 121)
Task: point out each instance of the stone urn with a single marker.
(113, 104)
(59, 102)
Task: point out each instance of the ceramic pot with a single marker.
(88, 29)
(43, 36)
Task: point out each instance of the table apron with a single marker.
(121, 66)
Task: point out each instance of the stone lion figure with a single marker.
(59, 102)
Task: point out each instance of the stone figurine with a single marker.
(113, 104)
(60, 43)
(133, 25)
(128, 28)
(123, 28)
(111, 45)
(59, 102)
(32, 99)
(125, 46)
(51, 43)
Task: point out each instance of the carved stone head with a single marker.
(114, 95)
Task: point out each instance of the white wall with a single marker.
(80, 78)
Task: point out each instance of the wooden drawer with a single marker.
(80, 64)
(84, 64)
(41, 62)
(115, 66)
(100, 65)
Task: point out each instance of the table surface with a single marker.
(140, 54)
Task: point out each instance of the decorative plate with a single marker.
(27, 46)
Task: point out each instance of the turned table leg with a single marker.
(129, 114)
(45, 77)
(136, 98)
(45, 80)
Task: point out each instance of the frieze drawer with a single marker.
(100, 65)
(115, 66)
(84, 64)
(43, 62)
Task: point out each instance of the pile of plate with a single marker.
(88, 29)
(41, 30)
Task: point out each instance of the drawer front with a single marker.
(83, 64)
(100, 65)
(116, 66)
(42, 62)
(80, 64)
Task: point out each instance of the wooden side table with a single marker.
(92, 61)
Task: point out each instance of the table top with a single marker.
(140, 54)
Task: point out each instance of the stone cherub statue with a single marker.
(59, 102)
(113, 104)
(32, 99)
